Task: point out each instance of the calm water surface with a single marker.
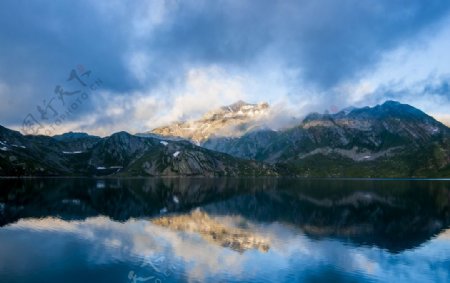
(224, 230)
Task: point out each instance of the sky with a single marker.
(105, 66)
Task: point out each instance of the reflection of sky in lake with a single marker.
(38, 248)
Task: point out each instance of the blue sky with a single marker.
(161, 61)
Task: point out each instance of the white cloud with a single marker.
(421, 60)
(139, 66)
(443, 118)
(149, 15)
(417, 59)
(206, 87)
(202, 89)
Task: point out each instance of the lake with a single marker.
(224, 230)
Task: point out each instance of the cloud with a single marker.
(139, 111)
(304, 52)
(327, 41)
(431, 95)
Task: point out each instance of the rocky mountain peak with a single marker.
(231, 120)
(73, 136)
(238, 109)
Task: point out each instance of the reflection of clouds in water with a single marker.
(290, 251)
(294, 251)
(200, 257)
(140, 238)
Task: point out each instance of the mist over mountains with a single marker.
(388, 140)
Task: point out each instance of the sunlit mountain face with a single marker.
(230, 121)
(392, 140)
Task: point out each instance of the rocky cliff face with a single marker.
(33, 155)
(233, 120)
(388, 140)
(391, 139)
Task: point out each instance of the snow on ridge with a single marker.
(110, 167)
(21, 146)
(100, 184)
(176, 154)
(164, 143)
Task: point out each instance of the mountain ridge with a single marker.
(388, 140)
(335, 145)
(233, 119)
(120, 154)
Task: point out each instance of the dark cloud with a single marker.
(431, 95)
(337, 39)
(328, 41)
(42, 40)
(441, 88)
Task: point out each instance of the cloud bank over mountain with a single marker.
(161, 61)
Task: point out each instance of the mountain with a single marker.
(232, 120)
(388, 140)
(73, 136)
(119, 154)
(77, 141)
(154, 157)
(33, 155)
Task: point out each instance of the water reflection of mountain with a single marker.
(396, 215)
(119, 199)
(395, 218)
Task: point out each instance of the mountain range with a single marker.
(388, 140)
